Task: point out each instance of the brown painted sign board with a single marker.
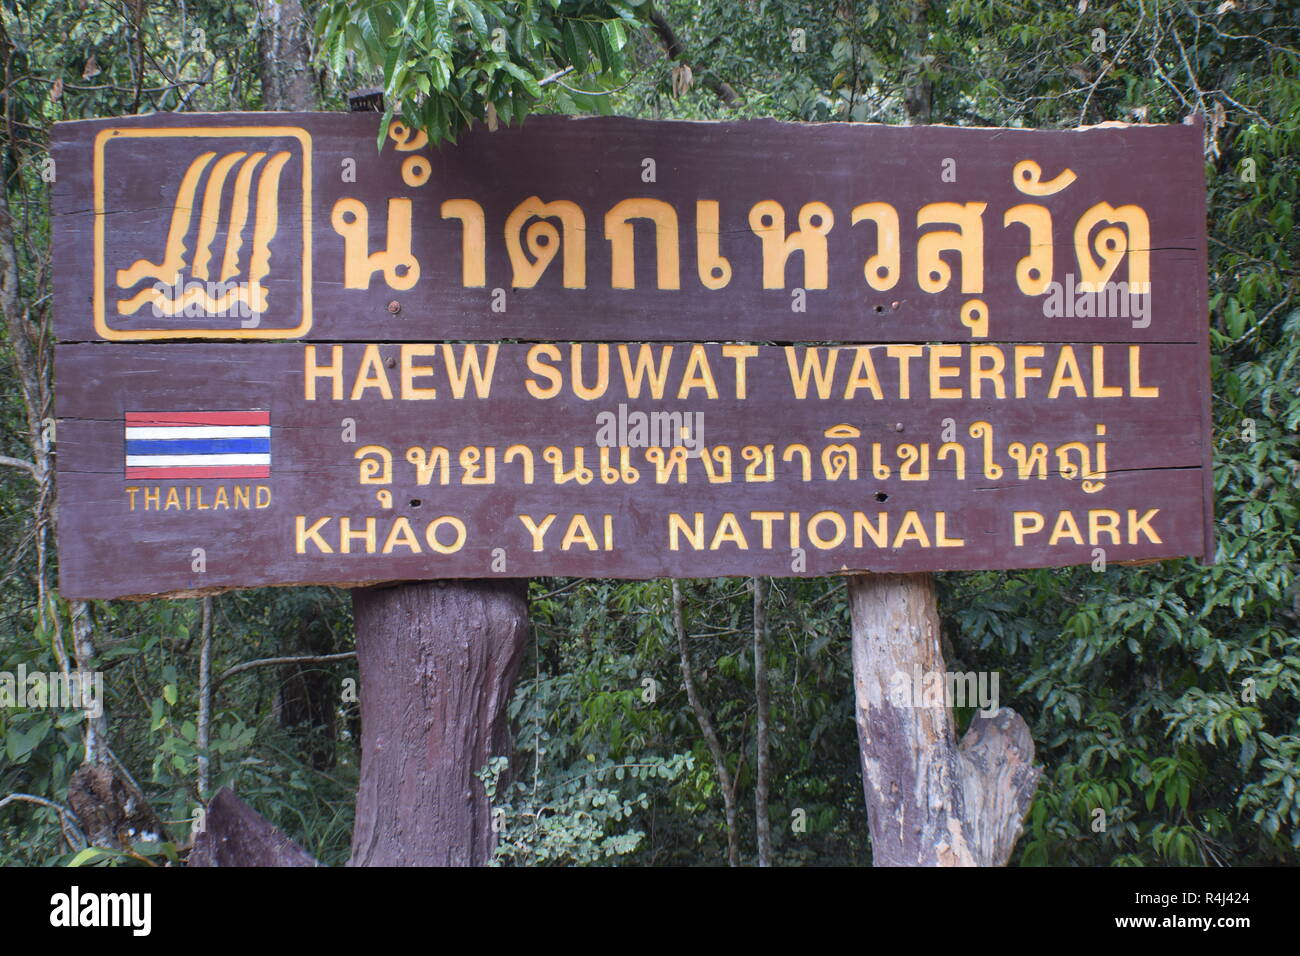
(617, 348)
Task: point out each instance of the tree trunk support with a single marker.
(234, 834)
(930, 800)
(438, 661)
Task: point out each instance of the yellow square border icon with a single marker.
(170, 132)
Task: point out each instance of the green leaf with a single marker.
(475, 16)
(91, 854)
(523, 76)
(617, 35)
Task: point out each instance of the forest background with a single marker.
(1164, 696)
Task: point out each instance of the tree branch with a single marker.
(68, 821)
(20, 463)
(274, 661)
(205, 697)
(707, 728)
(676, 51)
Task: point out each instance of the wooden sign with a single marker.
(1021, 379)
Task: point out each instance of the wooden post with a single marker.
(438, 661)
(234, 834)
(930, 800)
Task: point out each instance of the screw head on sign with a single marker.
(394, 307)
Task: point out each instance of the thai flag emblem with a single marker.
(198, 444)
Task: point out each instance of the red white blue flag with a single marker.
(198, 444)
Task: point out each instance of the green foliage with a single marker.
(575, 820)
(1162, 699)
(602, 691)
(1166, 695)
(447, 63)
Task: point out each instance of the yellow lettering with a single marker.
(878, 533)
(812, 366)
(579, 533)
(1103, 522)
(698, 374)
(1099, 387)
(411, 371)
(333, 371)
(1026, 523)
(765, 518)
(862, 375)
(304, 533)
(372, 375)
(401, 533)
(602, 372)
(911, 530)
(836, 522)
(740, 354)
(1135, 387)
(1065, 527)
(939, 371)
(1025, 372)
(537, 531)
(1067, 375)
(1143, 525)
(537, 367)
(431, 534)
(645, 369)
(992, 374)
(694, 535)
(904, 354)
(941, 532)
(458, 375)
(346, 534)
(729, 530)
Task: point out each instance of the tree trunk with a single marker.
(726, 783)
(762, 761)
(288, 82)
(234, 834)
(437, 661)
(307, 697)
(917, 97)
(930, 801)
